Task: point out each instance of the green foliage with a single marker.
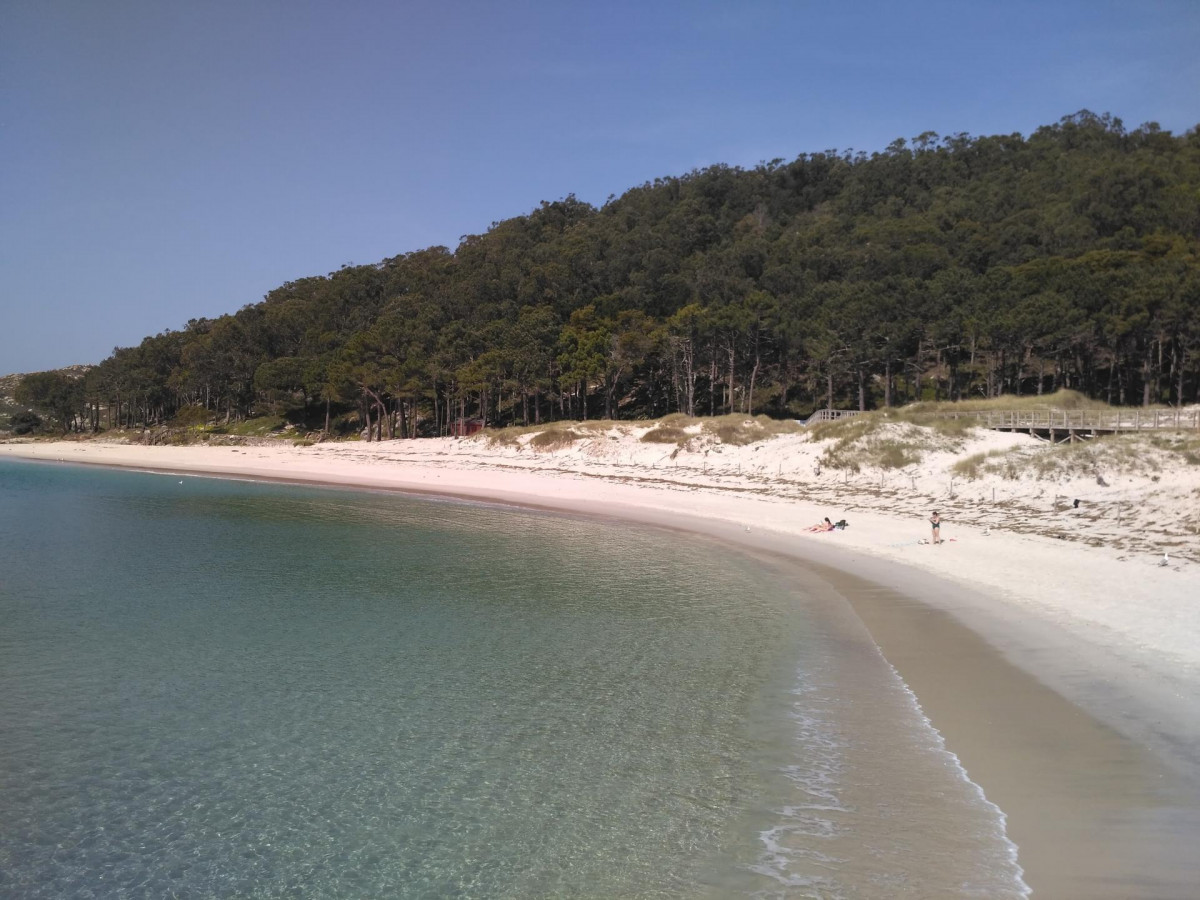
(261, 426)
(189, 416)
(25, 423)
(993, 269)
(58, 395)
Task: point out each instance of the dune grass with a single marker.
(676, 428)
(1063, 399)
(886, 440)
(733, 430)
(666, 434)
(548, 435)
(554, 439)
(1115, 454)
(898, 437)
(739, 430)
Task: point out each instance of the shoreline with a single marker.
(1014, 693)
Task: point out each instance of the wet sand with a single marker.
(1101, 791)
(1094, 814)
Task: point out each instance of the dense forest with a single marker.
(940, 268)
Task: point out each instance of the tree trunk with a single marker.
(732, 361)
(753, 378)
(712, 383)
(1146, 370)
(689, 375)
(1179, 380)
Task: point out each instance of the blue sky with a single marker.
(167, 159)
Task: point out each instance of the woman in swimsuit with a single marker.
(821, 526)
(936, 521)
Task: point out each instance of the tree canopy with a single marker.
(942, 267)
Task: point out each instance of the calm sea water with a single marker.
(221, 689)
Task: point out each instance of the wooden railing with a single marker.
(1088, 419)
(831, 415)
(1057, 419)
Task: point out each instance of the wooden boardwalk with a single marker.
(1059, 424)
(830, 415)
(1071, 424)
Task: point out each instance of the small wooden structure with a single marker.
(1059, 425)
(1062, 425)
(830, 415)
(465, 427)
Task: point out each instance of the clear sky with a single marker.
(162, 160)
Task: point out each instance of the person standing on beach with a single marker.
(936, 521)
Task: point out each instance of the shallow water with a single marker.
(219, 688)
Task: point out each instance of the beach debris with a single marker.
(1100, 481)
(1165, 561)
(987, 531)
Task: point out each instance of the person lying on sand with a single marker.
(821, 526)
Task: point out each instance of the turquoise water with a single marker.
(225, 689)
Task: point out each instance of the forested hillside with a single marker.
(943, 267)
